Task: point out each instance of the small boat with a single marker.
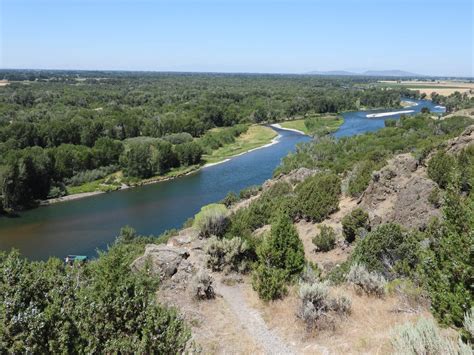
(71, 259)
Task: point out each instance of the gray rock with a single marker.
(161, 260)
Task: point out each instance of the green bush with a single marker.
(201, 286)
(280, 259)
(388, 250)
(354, 223)
(269, 282)
(447, 265)
(283, 248)
(99, 307)
(212, 220)
(318, 196)
(434, 197)
(424, 337)
(441, 168)
(317, 305)
(249, 192)
(360, 177)
(227, 254)
(326, 239)
(230, 199)
(371, 283)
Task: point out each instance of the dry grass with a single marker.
(308, 230)
(214, 326)
(367, 330)
(442, 87)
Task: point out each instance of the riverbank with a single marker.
(257, 137)
(314, 125)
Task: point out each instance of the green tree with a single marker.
(318, 196)
(355, 222)
(441, 168)
(280, 257)
(447, 266)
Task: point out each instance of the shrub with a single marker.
(201, 286)
(468, 324)
(434, 197)
(91, 175)
(269, 282)
(249, 192)
(447, 265)
(317, 305)
(355, 223)
(422, 338)
(280, 258)
(283, 249)
(326, 239)
(310, 274)
(360, 177)
(412, 297)
(368, 282)
(388, 250)
(230, 199)
(57, 191)
(213, 219)
(178, 138)
(390, 123)
(227, 254)
(318, 196)
(101, 307)
(440, 168)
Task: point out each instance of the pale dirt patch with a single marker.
(308, 230)
(214, 325)
(4, 82)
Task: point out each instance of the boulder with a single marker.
(161, 260)
(184, 237)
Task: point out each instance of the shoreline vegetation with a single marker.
(313, 125)
(256, 137)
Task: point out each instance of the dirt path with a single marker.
(252, 321)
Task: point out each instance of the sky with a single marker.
(264, 36)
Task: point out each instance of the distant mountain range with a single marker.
(395, 73)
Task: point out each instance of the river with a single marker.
(85, 225)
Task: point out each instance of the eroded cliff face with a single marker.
(399, 193)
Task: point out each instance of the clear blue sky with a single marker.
(294, 36)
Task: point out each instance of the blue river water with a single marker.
(85, 225)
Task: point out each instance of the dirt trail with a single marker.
(252, 321)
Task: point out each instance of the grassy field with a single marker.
(444, 87)
(255, 137)
(296, 124)
(315, 125)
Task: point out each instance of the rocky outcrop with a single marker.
(293, 177)
(161, 260)
(457, 144)
(399, 193)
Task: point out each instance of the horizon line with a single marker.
(352, 74)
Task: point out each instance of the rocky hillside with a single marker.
(233, 319)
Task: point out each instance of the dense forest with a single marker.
(60, 129)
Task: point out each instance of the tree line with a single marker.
(58, 126)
